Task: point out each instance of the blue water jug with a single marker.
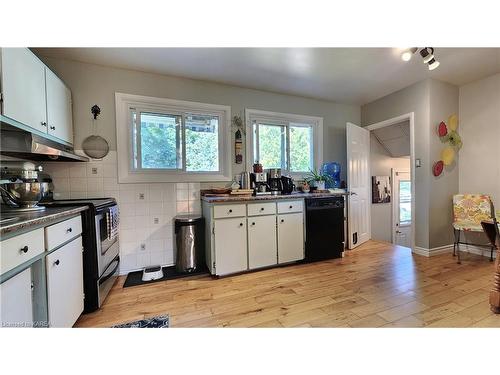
(333, 170)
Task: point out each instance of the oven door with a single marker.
(108, 278)
(107, 249)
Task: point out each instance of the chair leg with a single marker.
(455, 242)
(459, 261)
(491, 255)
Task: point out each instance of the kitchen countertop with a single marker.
(251, 198)
(26, 220)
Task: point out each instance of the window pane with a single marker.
(202, 143)
(272, 146)
(160, 141)
(404, 202)
(300, 148)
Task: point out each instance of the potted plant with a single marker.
(317, 179)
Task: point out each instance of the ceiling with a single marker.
(395, 139)
(345, 75)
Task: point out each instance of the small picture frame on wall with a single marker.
(381, 189)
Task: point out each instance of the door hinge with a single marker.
(1, 97)
(213, 265)
(213, 230)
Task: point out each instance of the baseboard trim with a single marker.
(449, 248)
(433, 251)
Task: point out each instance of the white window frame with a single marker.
(124, 139)
(278, 118)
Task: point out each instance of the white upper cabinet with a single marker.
(23, 88)
(59, 113)
(34, 96)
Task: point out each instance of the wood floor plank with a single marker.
(375, 285)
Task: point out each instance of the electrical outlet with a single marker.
(143, 246)
(141, 195)
(156, 220)
(94, 170)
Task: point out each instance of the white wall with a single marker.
(432, 101)
(146, 221)
(414, 98)
(479, 127)
(93, 84)
(381, 164)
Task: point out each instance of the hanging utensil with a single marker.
(95, 146)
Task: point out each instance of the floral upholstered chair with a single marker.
(468, 212)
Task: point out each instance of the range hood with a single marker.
(18, 142)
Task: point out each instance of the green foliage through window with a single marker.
(160, 141)
(271, 141)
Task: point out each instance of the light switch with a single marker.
(418, 163)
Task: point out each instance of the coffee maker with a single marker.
(274, 178)
(259, 184)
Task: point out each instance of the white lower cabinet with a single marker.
(262, 249)
(230, 245)
(255, 235)
(290, 237)
(65, 284)
(16, 303)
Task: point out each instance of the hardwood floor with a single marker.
(376, 285)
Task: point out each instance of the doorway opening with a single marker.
(392, 162)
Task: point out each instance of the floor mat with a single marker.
(161, 321)
(169, 273)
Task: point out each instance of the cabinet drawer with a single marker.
(261, 209)
(229, 210)
(20, 249)
(290, 206)
(62, 232)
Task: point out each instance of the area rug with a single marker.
(169, 273)
(161, 321)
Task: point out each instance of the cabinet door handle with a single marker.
(291, 207)
(230, 211)
(53, 128)
(241, 224)
(253, 223)
(57, 262)
(43, 123)
(262, 208)
(69, 230)
(282, 220)
(25, 249)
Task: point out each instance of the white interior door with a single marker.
(358, 183)
(401, 207)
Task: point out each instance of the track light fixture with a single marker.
(427, 54)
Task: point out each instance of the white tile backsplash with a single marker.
(146, 210)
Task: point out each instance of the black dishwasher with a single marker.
(324, 228)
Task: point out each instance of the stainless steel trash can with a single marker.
(189, 242)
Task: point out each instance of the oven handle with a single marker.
(109, 275)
